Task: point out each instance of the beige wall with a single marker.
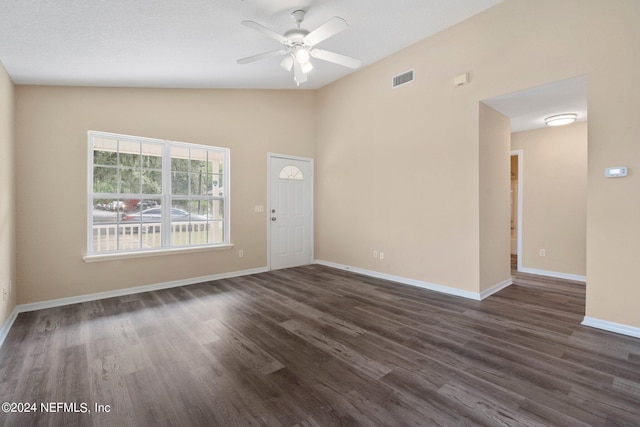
(395, 172)
(7, 201)
(51, 130)
(554, 201)
(405, 161)
(494, 186)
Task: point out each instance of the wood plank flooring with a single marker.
(314, 346)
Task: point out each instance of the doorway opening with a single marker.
(553, 244)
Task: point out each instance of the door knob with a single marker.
(273, 218)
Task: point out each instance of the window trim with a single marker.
(165, 199)
(112, 256)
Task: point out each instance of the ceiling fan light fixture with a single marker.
(287, 62)
(306, 67)
(561, 119)
(300, 45)
(302, 55)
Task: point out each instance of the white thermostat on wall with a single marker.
(615, 172)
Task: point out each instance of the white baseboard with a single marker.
(496, 288)
(22, 308)
(418, 283)
(557, 275)
(4, 330)
(605, 325)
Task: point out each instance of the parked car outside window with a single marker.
(154, 215)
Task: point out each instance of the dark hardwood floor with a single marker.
(314, 346)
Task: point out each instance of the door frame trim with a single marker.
(270, 156)
(519, 154)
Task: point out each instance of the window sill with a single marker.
(153, 253)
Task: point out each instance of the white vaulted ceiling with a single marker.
(195, 43)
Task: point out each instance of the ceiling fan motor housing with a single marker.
(296, 35)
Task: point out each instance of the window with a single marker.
(291, 172)
(132, 179)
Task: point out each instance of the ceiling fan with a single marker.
(299, 46)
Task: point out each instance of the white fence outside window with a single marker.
(130, 237)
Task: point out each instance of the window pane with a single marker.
(179, 205)
(190, 222)
(216, 210)
(147, 205)
(180, 159)
(114, 229)
(105, 151)
(129, 154)
(211, 185)
(215, 233)
(198, 184)
(210, 167)
(198, 207)
(152, 162)
(107, 158)
(198, 160)
(180, 183)
(105, 237)
(147, 210)
(129, 181)
(107, 210)
(105, 180)
(180, 165)
(152, 156)
(216, 167)
(181, 224)
(215, 162)
(140, 226)
(215, 187)
(151, 182)
(291, 172)
(129, 160)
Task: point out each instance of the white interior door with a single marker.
(290, 211)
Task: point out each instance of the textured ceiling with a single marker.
(195, 43)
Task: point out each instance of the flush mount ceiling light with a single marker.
(299, 46)
(561, 119)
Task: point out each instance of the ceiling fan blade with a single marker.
(336, 58)
(261, 56)
(298, 75)
(331, 27)
(287, 62)
(266, 31)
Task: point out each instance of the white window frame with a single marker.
(165, 197)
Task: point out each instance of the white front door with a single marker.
(290, 211)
